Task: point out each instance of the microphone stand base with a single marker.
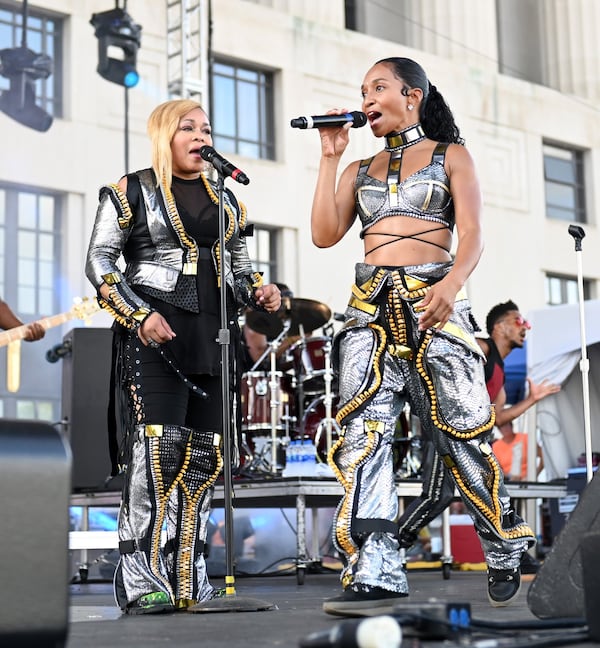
(232, 603)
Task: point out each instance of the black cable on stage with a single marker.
(530, 624)
(434, 626)
(529, 642)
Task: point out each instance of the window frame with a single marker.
(236, 142)
(264, 261)
(38, 393)
(575, 184)
(567, 284)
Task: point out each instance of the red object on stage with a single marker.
(464, 541)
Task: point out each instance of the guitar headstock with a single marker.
(83, 308)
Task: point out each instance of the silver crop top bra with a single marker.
(424, 195)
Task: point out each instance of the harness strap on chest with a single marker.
(400, 237)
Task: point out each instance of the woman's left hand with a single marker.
(269, 297)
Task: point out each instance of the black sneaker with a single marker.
(153, 603)
(529, 565)
(363, 600)
(503, 586)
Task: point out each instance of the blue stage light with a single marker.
(117, 34)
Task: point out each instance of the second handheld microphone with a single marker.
(356, 118)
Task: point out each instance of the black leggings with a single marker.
(160, 396)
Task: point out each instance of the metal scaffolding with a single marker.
(187, 49)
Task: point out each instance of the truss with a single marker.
(187, 49)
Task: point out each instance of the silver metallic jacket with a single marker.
(161, 265)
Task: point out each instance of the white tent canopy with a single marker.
(554, 353)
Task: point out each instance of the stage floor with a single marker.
(95, 622)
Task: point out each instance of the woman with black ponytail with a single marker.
(409, 337)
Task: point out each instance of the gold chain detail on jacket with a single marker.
(125, 218)
(435, 413)
(257, 280)
(231, 226)
(191, 255)
(361, 398)
(121, 319)
(123, 313)
(492, 515)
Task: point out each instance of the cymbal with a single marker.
(308, 313)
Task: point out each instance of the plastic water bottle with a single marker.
(309, 458)
(292, 459)
(299, 458)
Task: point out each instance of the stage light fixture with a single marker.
(23, 67)
(116, 30)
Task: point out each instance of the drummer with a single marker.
(255, 343)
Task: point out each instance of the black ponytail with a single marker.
(437, 119)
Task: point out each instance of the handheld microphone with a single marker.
(223, 166)
(357, 119)
(375, 632)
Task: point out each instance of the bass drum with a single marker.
(314, 425)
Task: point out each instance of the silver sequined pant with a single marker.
(441, 375)
(164, 514)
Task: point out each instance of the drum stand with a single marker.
(328, 423)
(301, 377)
(271, 351)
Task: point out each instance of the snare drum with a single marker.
(309, 363)
(256, 400)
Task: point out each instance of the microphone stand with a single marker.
(578, 233)
(230, 602)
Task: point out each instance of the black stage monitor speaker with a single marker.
(35, 483)
(590, 558)
(559, 588)
(85, 395)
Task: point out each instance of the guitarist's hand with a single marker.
(35, 331)
(155, 330)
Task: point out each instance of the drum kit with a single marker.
(294, 399)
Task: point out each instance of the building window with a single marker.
(28, 251)
(521, 40)
(350, 14)
(563, 176)
(564, 290)
(44, 36)
(29, 273)
(262, 248)
(242, 110)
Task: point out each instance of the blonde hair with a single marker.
(162, 126)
